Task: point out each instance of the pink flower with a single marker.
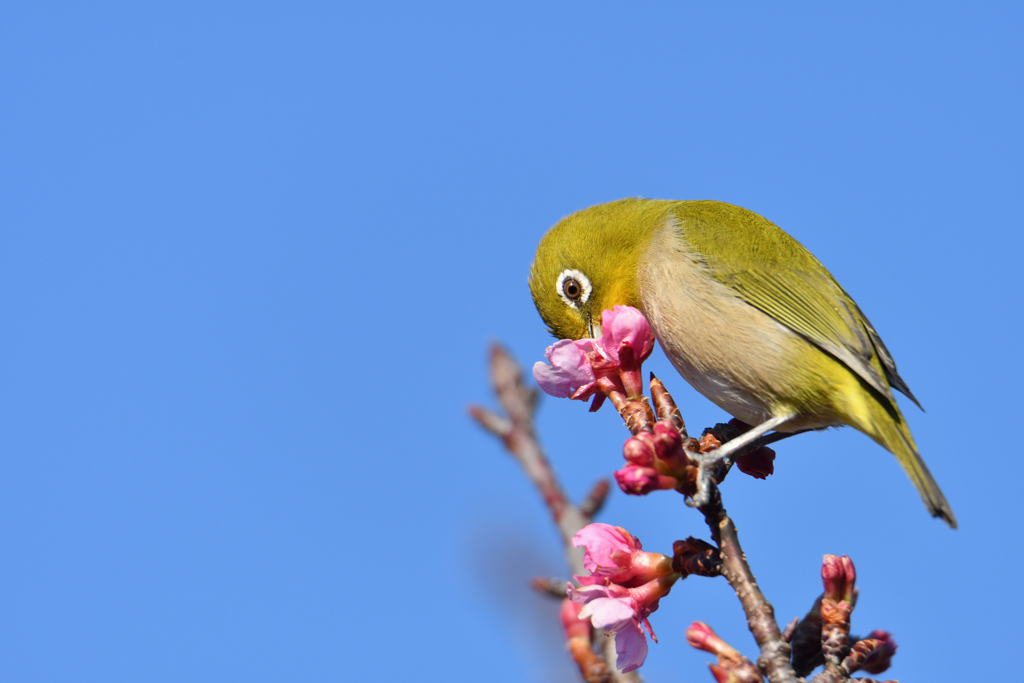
(625, 324)
(579, 369)
(569, 370)
(615, 610)
(613, 555)
(608, 550)
(622, 611)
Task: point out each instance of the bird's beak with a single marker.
(593, 329)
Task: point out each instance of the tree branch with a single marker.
(516, 430)
(775, 651)
(517, 433)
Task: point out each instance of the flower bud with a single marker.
(668, 444)
(668, 436)
(639, 481)
(732, 667)
(639, 450)
(703, 637)
(623, 324)
(839, 576)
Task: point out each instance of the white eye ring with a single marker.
(583, 281)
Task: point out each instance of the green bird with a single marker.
(742, 310)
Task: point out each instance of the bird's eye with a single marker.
(574, 287)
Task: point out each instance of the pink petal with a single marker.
(569, 369)
(590, 580)
(608, 548)
(630, 648)
(625, 323)
(588, 593)
(608, 613)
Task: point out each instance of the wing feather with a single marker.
(789, 284)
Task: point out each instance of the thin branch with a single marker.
(775, 651)
(517, 433)
(594, 501)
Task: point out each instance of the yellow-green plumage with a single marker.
(744, 312)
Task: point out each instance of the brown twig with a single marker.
(594, 501)
(775, 651)
(517, 433)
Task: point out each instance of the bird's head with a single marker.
(588, 263)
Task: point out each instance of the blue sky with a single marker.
(253, 257)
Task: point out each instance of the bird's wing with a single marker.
(888, 364)
(777, 275)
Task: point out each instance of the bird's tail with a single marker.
(890, 430)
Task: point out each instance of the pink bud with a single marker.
(668, 437)
(838, 576)
(639, 481)
(625, 324)
(668, 443)
(703, 637)
(639, 449)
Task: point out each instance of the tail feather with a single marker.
(895, 436)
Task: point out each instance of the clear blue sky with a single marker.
(253, 255)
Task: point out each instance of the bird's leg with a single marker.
(724, 454)
(726, 451)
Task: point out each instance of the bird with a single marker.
(744, 312)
